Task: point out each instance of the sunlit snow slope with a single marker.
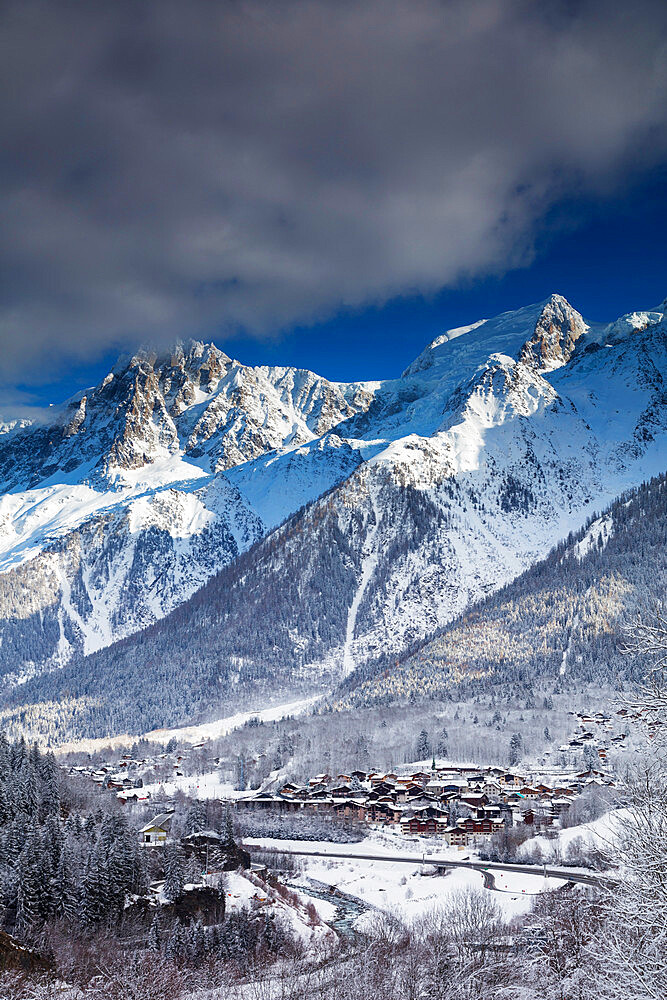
(421, 494)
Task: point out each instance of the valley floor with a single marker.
(410, 889)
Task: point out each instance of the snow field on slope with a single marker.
(369, 562)
(192, 734)
(601, 833)
(242, 893)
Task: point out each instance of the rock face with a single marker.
(16, 957)
(556, 332)
(419, 495)
(116, 513)
(194, 402)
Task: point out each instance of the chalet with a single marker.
(476, 827)
(419, 824)
(269, 802)
(320, 804)
(455, 836)
(132, 795)
(528, 792)
(560, 804)
(437, 786)
(455, 786)
(514, 799)
(491, 787)
(340, 791)
(493, 812)
(474, 801)
(202, 838)
(350, 808)
(154, 834)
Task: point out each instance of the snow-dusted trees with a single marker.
(174, 878)
(647, 642)
(53, 870)
(577, 600)
(635, 943)
(423, 747)
(515, 750)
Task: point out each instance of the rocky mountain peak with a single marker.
(557, 330)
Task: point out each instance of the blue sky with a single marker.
(607, 256)
(328, 184)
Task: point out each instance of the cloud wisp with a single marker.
(244, 165)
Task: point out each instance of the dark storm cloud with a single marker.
(168, 167)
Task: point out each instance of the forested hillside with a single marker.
(560, 621)
(419, 496)
(231, 643)
(499, 440)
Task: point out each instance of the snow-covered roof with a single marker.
(159, 822)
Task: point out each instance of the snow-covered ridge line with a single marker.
(501, 438)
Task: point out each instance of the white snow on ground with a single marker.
(30, 519)
(192, 734)
(242, 892)
(238, 891)
(401, 886)
(600, 833)
(368, 564)
(600, 530)
(197, 786)
(221, 727)
(326, 911)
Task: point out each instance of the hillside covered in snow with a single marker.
(328, 526)
(560, 626)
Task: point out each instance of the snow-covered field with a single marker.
(221, 727)
(402, 886)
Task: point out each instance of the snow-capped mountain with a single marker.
(553, 419)
(117, 511)
(421, 494)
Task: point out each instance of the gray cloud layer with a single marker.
(167, 166)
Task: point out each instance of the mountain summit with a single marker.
(406, 499)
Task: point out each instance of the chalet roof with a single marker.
(159, 822)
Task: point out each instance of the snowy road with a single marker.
(567, 874)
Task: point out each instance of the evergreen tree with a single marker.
(173, 883)
(423, 745)
(196, 945)
(177, 945)
(516, 749)
(228, 842)
(195, 818)
(155, 934)
(65, 894)
(32, 904)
